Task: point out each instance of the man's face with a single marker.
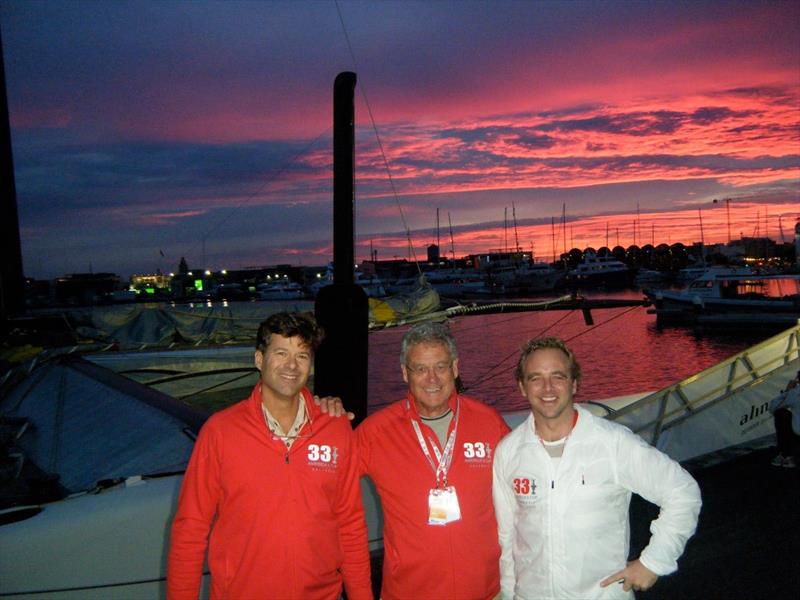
(285, 366)
(431, 377)
(549, 386)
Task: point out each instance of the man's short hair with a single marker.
(429, 332)
(535, 344)
(302, 325)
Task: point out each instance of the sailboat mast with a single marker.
(452, 245)
(12, 294)
(438, 245)
(505, 228)
(342, 309)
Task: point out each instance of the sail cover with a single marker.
(87, 424)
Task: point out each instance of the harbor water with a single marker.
(622, 353)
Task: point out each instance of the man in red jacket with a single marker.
(430, 457)
(275, 481)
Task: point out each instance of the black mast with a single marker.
(12, 300)
(340, 367)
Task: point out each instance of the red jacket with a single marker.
(459, 560)
(284, 524)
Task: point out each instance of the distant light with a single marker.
(189, 273)
(172, 274)
(208, 272)
(224, 271)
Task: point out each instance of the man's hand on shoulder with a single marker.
(635, 576)
(333, 406)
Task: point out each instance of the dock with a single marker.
(748, 538)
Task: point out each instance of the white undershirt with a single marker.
(555, 449)
(440, 425)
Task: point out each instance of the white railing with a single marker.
(726, 405)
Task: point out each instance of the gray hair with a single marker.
(428, 333)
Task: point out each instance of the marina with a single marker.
(107, 379)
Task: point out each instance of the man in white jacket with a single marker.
(562, 486)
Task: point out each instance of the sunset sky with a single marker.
(204, 128)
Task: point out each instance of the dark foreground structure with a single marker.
(747, 544)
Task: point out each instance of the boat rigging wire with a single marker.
(363, 90)
(486, 377)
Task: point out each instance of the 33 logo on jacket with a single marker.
(525, 490)
(322, 457)
(477, 453)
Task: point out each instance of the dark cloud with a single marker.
(73, 176)
(535, 142)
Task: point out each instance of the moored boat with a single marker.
(281, 290)
(596, 271)
(730, 296)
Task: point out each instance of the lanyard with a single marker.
(444, 458)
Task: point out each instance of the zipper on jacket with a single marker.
(286, 457)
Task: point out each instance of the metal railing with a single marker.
(713, 399)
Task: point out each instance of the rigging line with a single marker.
(363, 91)
(487, 377)
(565, 340)
(483, 325)
(283, 168)
(614, 318)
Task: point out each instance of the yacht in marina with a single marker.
(595, 271)
(730, 296)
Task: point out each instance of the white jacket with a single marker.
(562, 531)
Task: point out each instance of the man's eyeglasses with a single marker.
(425, 370)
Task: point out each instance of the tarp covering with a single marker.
(88, 424)
(132, 325)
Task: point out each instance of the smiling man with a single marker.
(430, 457)
(275, 482)
(562, 486)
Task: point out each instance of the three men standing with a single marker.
(562, 486)
(275, 482)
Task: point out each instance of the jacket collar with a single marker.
(580, 424)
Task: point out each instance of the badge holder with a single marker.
(443, 505)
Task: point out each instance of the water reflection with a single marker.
(623, 353)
